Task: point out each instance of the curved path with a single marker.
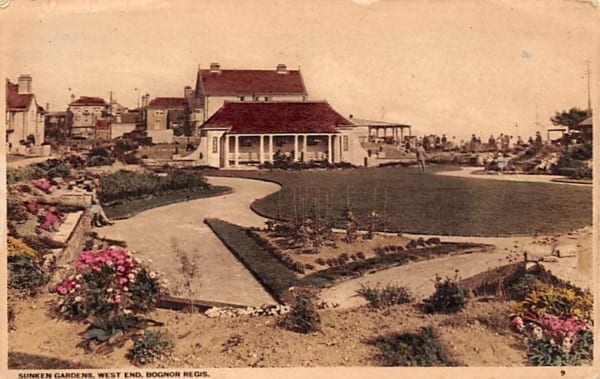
(470, 172)
(220, 276)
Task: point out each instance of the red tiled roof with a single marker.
(102, 124)
(587, 122)
(168, 102)
(251, 82)
(277, 117)
(14, 100)
(88, 100)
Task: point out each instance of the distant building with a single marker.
(163, 114)
(56, 125)
(125, 123)
(85, 113)
(24, 117)
(253, 132)
(215, 86)
(587, 129)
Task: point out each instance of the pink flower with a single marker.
(123, 281)
(120, 268)
(117, 299)
(517, 323)
(61, 290)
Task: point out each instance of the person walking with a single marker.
(421, 157)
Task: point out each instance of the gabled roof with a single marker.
(250, 82)
(586, 122)
(89, 100)
(168, 102)
(277, 117)
(14, 100)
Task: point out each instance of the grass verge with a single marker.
(272, 274)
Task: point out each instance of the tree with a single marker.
(570, 118)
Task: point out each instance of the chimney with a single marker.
(47, 107)
(25, 84)
(282, 69)
(215, 68)
(187, 92)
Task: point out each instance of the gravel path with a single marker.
(157, 233)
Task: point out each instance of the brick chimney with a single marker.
(187, 92)
(25, 84)
(215, 68)
(282, 69)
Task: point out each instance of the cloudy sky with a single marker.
(458, 67)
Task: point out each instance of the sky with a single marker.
(454, 67)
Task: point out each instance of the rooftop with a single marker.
(277, 117)
(14, 100)
(89, 100)
(168, 102)
(250, 82)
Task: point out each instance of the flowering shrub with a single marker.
(556, 300)
(18, 247)
(106, 284)
(557, 323)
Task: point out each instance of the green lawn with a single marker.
(432, 204)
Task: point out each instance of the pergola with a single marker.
(381, 129)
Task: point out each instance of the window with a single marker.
(345, 142)
(215, 145)
(159, 113)
(156, 124)
(241, 98)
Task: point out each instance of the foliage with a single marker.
(16, 210)
(107, 284)
(49, 169)
(572, 162)
(25, 274)
(555, 300)
(448, 297)
(127, 185)
(303, 316)
(385, 297)
(99, 160)
(18, 247)
(149, 347)
(412, 349)
(570, 118)
(267, 269)
(546, 351)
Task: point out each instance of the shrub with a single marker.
(106, 284)
(303, 316)
(555, 300)
(448, 297)
(149, 347)
(571, 351)
(320, 261)
(99, 160)
(18, 247)
(360, 255)
(412, 349)
(25, 274)
(385, 297)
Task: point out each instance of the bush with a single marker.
(555, 300)
(99, 160)
(381, 298)
(107, 284)
(548, 352)
(18, 247)
(448, 297)
(149, 347)
(24, 274)
(412, 349)
(303, 317)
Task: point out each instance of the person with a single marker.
(99, 218)
(501, 162)
(421, 156)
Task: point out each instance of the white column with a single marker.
(271, 148)
(226, 151)
(296, 148)
(261, 155)
(305, 147)
(237, 151)
(329, 150)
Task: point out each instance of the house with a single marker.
(255, 132)
(164, 114)
(24, 117)
(215, 86)
(587, 130)
(125, 123)
(85, 113)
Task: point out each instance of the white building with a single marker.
(24, 117)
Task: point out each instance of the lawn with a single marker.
(414, 203)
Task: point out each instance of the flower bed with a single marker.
(556, 320)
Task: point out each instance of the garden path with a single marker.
(475, 173)
(220, 276)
